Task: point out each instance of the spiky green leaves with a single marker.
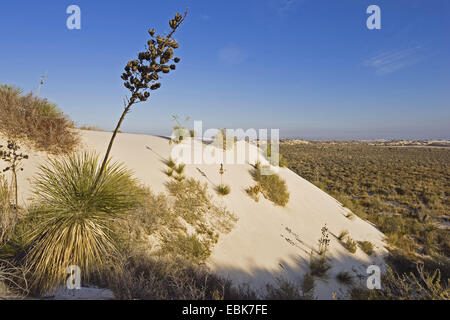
(140, 75)
(75, 216)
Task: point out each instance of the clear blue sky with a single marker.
(308, 67)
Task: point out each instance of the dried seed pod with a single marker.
(155, 86)
(173, 67)
(151, 32)
(176, 60)
(165, 69)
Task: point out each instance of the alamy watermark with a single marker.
(228, 146)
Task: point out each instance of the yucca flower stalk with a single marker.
(75, 214)
(141, 75)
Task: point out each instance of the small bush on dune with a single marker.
(273, 187)
(351, 245)
(254, 191)
(35, 121)
(170, 163)
(366, 246)
(223, 189)
(319, 266)
(342, 235)
(180, 168)
(191, 247)
(75, 216)
(345, 278)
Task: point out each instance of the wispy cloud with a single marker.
(231, 55)
(284, 7)
(393, 60)
(205, 17)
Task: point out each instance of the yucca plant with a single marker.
(75, 215)
(142, 75)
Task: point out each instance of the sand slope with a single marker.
(267, 241)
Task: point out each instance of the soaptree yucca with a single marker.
(142, 75)
(74, 216)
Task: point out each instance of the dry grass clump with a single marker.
(254, 192)
(35, 121)
(351, 245)
(415, 285)
(345, 277)
(342, 235)
(143, 277)
(273, 187)
(366, 246)
(223, 189)
(13, 281)
(283, 289)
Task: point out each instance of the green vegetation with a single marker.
(35, 122)
(74, 216)
(254, 192)
(351, 245)
(283, 289)
(223, 189)
(272, 186)
(342, 235)
(366, 246)
(319, 262)
(345, 278)
(402, 190)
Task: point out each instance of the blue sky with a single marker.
(308, 67)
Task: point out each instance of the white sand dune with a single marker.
(267, 241)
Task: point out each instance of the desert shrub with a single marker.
(75, 216)
(344, 277)
(284, 289)
(366, 246)
(13, 283)
(170, 163)
(413, 286)
(180, 168)
(223, 189)
(342, 235)
(351, 245)
(350, 216)
(144, 277)
(254, 191)
(191, 202)
(273, 187)
(35, 121)
(319, 266)
(191, 247)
